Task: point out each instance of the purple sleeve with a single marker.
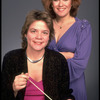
(79, 62)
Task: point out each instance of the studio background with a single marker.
(12, 20)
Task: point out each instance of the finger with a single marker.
(17, 88)
(19, 80)
(23, 86)
(22, 83)
(26, 75)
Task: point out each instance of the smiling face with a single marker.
(61, 7)
(37, 36)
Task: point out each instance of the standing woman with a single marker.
(72, 39)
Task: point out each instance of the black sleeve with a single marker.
(65, 81)
(6, 80)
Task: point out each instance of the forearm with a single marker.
(67, 55)
(15, 92)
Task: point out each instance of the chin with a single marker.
(39, 49)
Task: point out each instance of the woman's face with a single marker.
(61, 7)
(37, 35)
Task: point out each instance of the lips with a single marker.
(61, 9)
(38, 43)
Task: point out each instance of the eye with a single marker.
(33, 31)
(55, 0)
(65, 0)
(45, 33)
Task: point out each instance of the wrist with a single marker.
(15, 91)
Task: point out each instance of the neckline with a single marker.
(65, 32)
(35, 80)
(34, 61)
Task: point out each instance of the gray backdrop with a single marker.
(13, 16)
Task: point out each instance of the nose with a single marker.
(39, 36)
(60, 3)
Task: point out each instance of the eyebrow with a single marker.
(37, 29)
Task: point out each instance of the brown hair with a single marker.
(48, 7)
(30, 18)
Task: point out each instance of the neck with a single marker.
(61, 20)
(34, 55)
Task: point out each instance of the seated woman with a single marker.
(35, 64)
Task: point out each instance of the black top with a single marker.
(55, 75)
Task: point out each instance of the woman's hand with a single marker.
(69, 99)
(67, 55)
(20, 82)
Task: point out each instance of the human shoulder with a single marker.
(54, 54)
(14, 53)
(83, 23)
(56, 60)
(84, 28)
